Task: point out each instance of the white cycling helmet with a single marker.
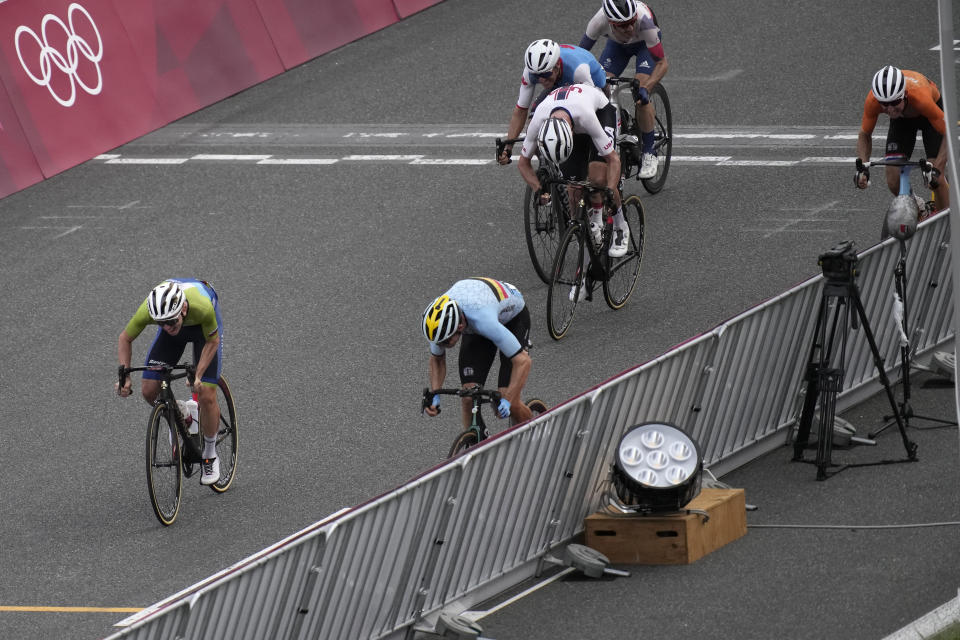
(889, 84)
(441, 319)
(555, 140)
(541, 56)
(620, 10)
(165, 301)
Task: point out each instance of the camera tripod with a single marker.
(823, 379)
(905, 410)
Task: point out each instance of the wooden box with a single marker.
(670, 539)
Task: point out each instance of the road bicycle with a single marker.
(543, 224)
(572, 280)
(923, 208)
(174, 453)
(477, 431)
(628, 139)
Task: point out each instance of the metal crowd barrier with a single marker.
(471, 527)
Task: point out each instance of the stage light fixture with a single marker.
(657, 468)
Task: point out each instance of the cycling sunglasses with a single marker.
(170, 323)
(890, 105)
(623, 25)
(543, 76)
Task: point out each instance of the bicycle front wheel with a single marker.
(662, 138)
(164, 468)
(623, 272)
(567, 284)
(226, 437)
(543, 226)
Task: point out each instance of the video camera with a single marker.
(840, 263)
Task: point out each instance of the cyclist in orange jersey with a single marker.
(913, 104)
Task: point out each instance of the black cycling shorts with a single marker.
(902, 136)
(477, 353)
(577, 165)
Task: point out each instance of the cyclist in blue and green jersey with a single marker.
(490, 316)
(186, 311)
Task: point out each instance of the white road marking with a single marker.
(147, 160)
(445, 161)
(299, 161)
(229, 156)
(382, 157)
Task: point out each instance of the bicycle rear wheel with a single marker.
(536, 406)
(226, 437)
(543, 226)
(566, 284)
(164, 475)
(463, 442)
(623, 272)
(662, 138)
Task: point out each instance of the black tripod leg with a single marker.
(911, 447)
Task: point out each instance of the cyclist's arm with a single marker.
(517, 120)
(586, 42)
(124, 353)
(437, 374)
(207, 354)
(526, 152)
(518, 377)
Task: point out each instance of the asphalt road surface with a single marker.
(370, 190)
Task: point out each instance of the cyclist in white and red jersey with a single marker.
(550, 65)
(575, 127)
(632, 30)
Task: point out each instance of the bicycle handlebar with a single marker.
(502, 146)
(189, 372)
(478, 394)
(930, 172)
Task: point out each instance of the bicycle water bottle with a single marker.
(191, 416)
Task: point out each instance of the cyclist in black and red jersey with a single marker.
(913, 104)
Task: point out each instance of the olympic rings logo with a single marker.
(68, 64)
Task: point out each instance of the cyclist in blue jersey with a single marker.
(485, 316)
(187, 311)
(632, 30)
(551, 65)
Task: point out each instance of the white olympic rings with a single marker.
(76, 46)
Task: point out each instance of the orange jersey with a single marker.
(921, 95)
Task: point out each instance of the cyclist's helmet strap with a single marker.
(555, 140)
(619, 10)
(889, 84)
(541, 56)
(441, 319)
(165, 301)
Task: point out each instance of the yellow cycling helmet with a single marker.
(441, 319)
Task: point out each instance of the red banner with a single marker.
(305, 29)
(18, 166)
(409, 7)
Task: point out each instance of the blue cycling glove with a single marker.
(503, 409)
(436, 401)
(641, 95)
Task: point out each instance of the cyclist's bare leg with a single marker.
(466, 406)
(150, 389)
(519, 411)
(892, 174)
(941, 195)
(209, 409)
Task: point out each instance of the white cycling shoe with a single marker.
(573, 297)
(621, 241)
(211, 471)
(648, 166)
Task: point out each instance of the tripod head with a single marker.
(840, 264)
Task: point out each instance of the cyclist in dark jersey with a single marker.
(187, 311)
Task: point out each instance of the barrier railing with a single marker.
(470, 527)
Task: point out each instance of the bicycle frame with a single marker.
(599, 265)
(191, 444)
(478, 396)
